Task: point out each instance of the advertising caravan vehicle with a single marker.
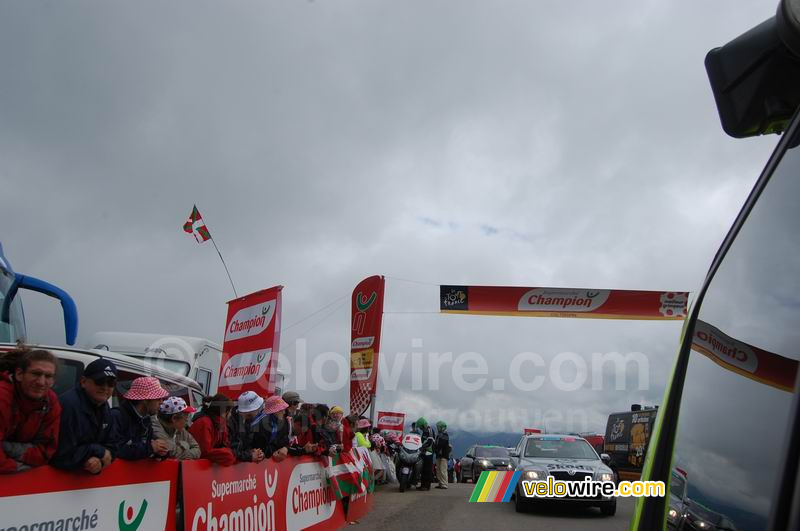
(730, 417)
(626, 440)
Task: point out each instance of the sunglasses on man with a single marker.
(105, 382)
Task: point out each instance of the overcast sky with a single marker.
(531, 143)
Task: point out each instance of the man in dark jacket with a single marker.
(85, 438)
(249, 409)
(133, 424)
(442, 450)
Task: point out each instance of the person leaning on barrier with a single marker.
(170, 426)
(133, 424)
(30, 413)
(334, 434)
(303, 441)
(292, 399)
(268, 434)
(85, 438)
(210, 430)
(362, 435)
(242, 423)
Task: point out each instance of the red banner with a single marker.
(290, 495)
(391, 421)
(252, 339)
(749, 361)
(563, 302)
(126, 496)
(365, 336)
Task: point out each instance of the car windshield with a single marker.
(677, 486)
(491, 452)
(560, 448)
(176, 366)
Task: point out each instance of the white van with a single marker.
(72, 362)
(193, 357)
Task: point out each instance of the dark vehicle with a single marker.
(702, 518)
(564, 458)
(730, 416)
(627, 437)
(480, 458)
(678, 490)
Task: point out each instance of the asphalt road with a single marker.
(450, 509)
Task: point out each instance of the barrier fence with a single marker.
(143, 495)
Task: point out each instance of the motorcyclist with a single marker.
(423, 429)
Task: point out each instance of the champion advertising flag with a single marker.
(563, 302)
(196, 226)
(744, 359)
(252, 339)
(391, 421)
(365, 336)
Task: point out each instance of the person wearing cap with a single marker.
(362, 433)
(170, 426)
(292, 399)
(30, 414)
(267, 431)
(85, 438)
(242, 423)
(133, 425)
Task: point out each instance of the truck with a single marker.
(626, 439)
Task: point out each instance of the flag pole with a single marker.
(210, 237)
(224, 265)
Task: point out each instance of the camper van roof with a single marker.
(137, 342)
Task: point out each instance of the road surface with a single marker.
(450, 510)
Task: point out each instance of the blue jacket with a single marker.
(133, 433)
(85, 430)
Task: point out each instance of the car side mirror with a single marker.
(605, 458)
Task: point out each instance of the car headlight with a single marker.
(533, 474)
(605, 476)
(484, 463)
(702, 525)
(673, 514)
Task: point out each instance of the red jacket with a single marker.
(212, 437)
(23, 420)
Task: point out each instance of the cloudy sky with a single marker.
(532, 143)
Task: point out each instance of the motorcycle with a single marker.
(409, 459)
(408, 456)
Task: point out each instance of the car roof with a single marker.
(124, 362)
(552, 436)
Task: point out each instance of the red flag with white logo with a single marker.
(365, 341)
(252, 339)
